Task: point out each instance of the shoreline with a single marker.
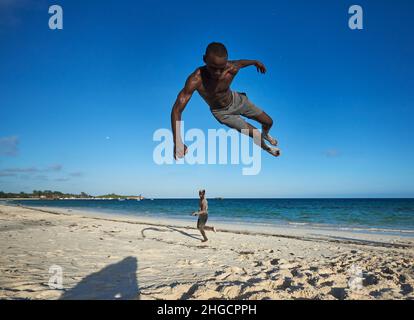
(302, 233)
(250, 223)
(102, 254)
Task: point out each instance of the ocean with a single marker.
(368, 214)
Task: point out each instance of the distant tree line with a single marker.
(48, 194)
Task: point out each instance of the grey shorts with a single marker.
(202, 220)
(240, 106)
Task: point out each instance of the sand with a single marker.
(106, 257)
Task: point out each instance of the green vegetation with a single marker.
(48, 194)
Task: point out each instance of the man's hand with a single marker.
(180, 150)
(260, 67)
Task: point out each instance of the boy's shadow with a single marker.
(172, 229)
(115, 281)
(185, 233)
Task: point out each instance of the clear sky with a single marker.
(79, 106)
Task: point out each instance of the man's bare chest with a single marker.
(212, 88)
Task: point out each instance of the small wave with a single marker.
(377, 229)
(299, 223)
(352, 228)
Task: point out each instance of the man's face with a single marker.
(201, 193)
(215, 65)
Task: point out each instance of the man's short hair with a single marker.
(216, 49)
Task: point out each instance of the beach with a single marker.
(109, 257)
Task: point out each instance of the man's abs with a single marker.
(217, 100)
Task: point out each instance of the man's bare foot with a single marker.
(269, 138)
(273, 151)
(204, 240)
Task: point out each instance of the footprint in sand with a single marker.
(289, 265)
(221, 275)
(230, 292)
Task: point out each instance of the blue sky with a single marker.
(79, 106)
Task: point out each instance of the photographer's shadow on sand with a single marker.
(116, 281)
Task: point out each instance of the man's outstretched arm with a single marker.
(183, 97)
(239, 64)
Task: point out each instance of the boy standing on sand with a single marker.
(203, 215)
(212, 82)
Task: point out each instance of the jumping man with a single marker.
(212, 82)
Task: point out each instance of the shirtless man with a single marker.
(212, 82)
(203, 215)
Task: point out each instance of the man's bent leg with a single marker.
(236, 122)
(259, 140)
(208, 228)
(266, 121)
(201, 229)
(251, 111)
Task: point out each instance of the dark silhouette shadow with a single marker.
(116, 281)
(367, 242)
(171, 229)
(185, 233)
(152, 229)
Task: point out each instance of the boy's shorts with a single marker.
(202, 220)
(240, 106)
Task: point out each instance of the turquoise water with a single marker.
(389, 214)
